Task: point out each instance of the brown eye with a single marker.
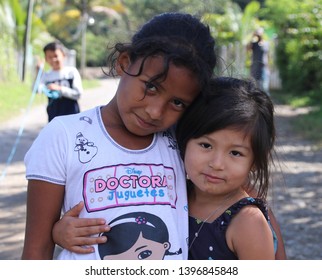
(179, 103)
(205, 145)
(236, 153)
(150, 87)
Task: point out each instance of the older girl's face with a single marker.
(147, 107)
(219, 163)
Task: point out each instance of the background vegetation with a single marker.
(90, 27)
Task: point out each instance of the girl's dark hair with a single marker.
(234, 103)
(180, 38)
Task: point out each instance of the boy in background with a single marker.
(62, 84)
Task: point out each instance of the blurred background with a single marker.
(88, 28)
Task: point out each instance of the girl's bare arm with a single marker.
(44, 202)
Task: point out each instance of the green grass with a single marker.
(15, 97)
(308, 125)
(90, 83)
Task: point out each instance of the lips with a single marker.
(214, 179)
(145, 124)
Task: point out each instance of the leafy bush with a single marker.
(299, 34)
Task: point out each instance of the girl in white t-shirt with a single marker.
(122, 157)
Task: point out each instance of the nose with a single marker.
(217, 161)
(155, 109)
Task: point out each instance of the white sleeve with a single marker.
(46, 159)
(77, 89)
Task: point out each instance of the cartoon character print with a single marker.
(86, 150)
(86, 119)
(136, 236)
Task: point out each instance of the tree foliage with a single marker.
(298, 25)
(98, 19)
(12, 30)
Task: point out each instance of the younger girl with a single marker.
(226, 140)
(120, 158)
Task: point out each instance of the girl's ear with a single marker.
(122, 64)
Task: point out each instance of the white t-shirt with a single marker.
(68, 78)
(141, 193)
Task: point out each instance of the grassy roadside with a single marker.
(308, 125)
(15, 97)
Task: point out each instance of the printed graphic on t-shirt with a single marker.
(86, 150)
(136, 236)
(129, 185)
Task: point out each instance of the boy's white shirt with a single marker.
(62, 77)
(77, 152)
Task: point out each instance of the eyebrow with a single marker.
(242, 146)
(139, 248)
(234, 145)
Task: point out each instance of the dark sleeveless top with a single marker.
(211, 241)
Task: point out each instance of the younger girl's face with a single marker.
(147, 107)
(219, 163)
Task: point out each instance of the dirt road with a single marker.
(13, 186)
(297, 198)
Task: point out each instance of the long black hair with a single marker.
(234, 103)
